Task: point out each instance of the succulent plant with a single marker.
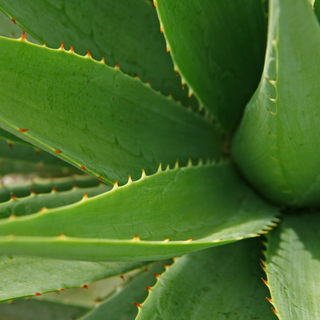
(166, 138)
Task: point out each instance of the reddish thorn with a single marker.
(12, 196)
(54, 188)
(146, 269)
(136, 76)
(45, 44)
(99, 177)
(103, 60)
(265, 282)
(83, 168)
(262, 267)
(137, 304)
(88, 53)
(62, 45)
(183, 86)
(155, 3)
(85, 286)
(147, 288)
(61, 289)
(177, 73)
(23, 130)
(32, 191)
(38, 151)
(38, 294)
(161, 30)
(117, 64)
(269, 300)
(148, 81)
(23, 37)
(165, 265)
(57, 151)
(71, 49)
(274, 311)
(122, 277)
(156, 275)
(168, 50)
(14, 21)
(11, 302)
(10, 145)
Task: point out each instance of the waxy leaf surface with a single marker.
(277, 144)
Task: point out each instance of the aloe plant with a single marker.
(174, 140)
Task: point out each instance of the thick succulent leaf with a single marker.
(25, 188)
(277, 143)
(23, 158)
(38, 310)
(119, 305)
(218, 47)
(293, 267)
(35, 202)
(10, 29)
(218, 208)
(103, 121)
(217, 283)
(25, 276)
(125, 31)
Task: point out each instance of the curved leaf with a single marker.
(217, 283)
(41, 185)
(277, 145)
(103, 121)
(125, 31)
(218, 47)
(218, 208)
(35, 202)
(119, 305)
(293, 267)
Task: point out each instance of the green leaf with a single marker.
(10, 29)
(277, 145)
(22, 158)
(35, 202)
(41, 185)
(218, 208)
(217, 283)
(119, 305)
(136, 41)
(293, 267)
(25, 276)
(218, 47)
(38, 310)
(103, 121)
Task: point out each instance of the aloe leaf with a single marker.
(44, 185)
(21, 158)
(25, 276)
(219, 208)
(217, 283)
(293, 267)
(136, 42)
(218, 47)
(38, 310)
(10, 29)
(276, 145)
(35, 202)
(120, 304)
(119, 124)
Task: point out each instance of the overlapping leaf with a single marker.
(277, 145)
(218, 47)
(94, 116)
(218, 209)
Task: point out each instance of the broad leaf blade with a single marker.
(218, 208)
(94, 116)
(38, 310)
(293, 267)
(119, 305)
(277, 145)
(25, 276)
(125, 31)
(218, 47)
(217, 283)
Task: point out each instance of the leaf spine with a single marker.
(117, 65)
(85, 196)
(115, 186)
(71, 49)
(155, 3)
(265, 282)
(129, 181)
(122, 277)
(62, 46)
(166, 240)
(88, 55)
(138, 305)
(23, 36)
(14, 21)
(189, 163)
(23, 130)
(135, 238)
(216, 240)
(189, 240)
